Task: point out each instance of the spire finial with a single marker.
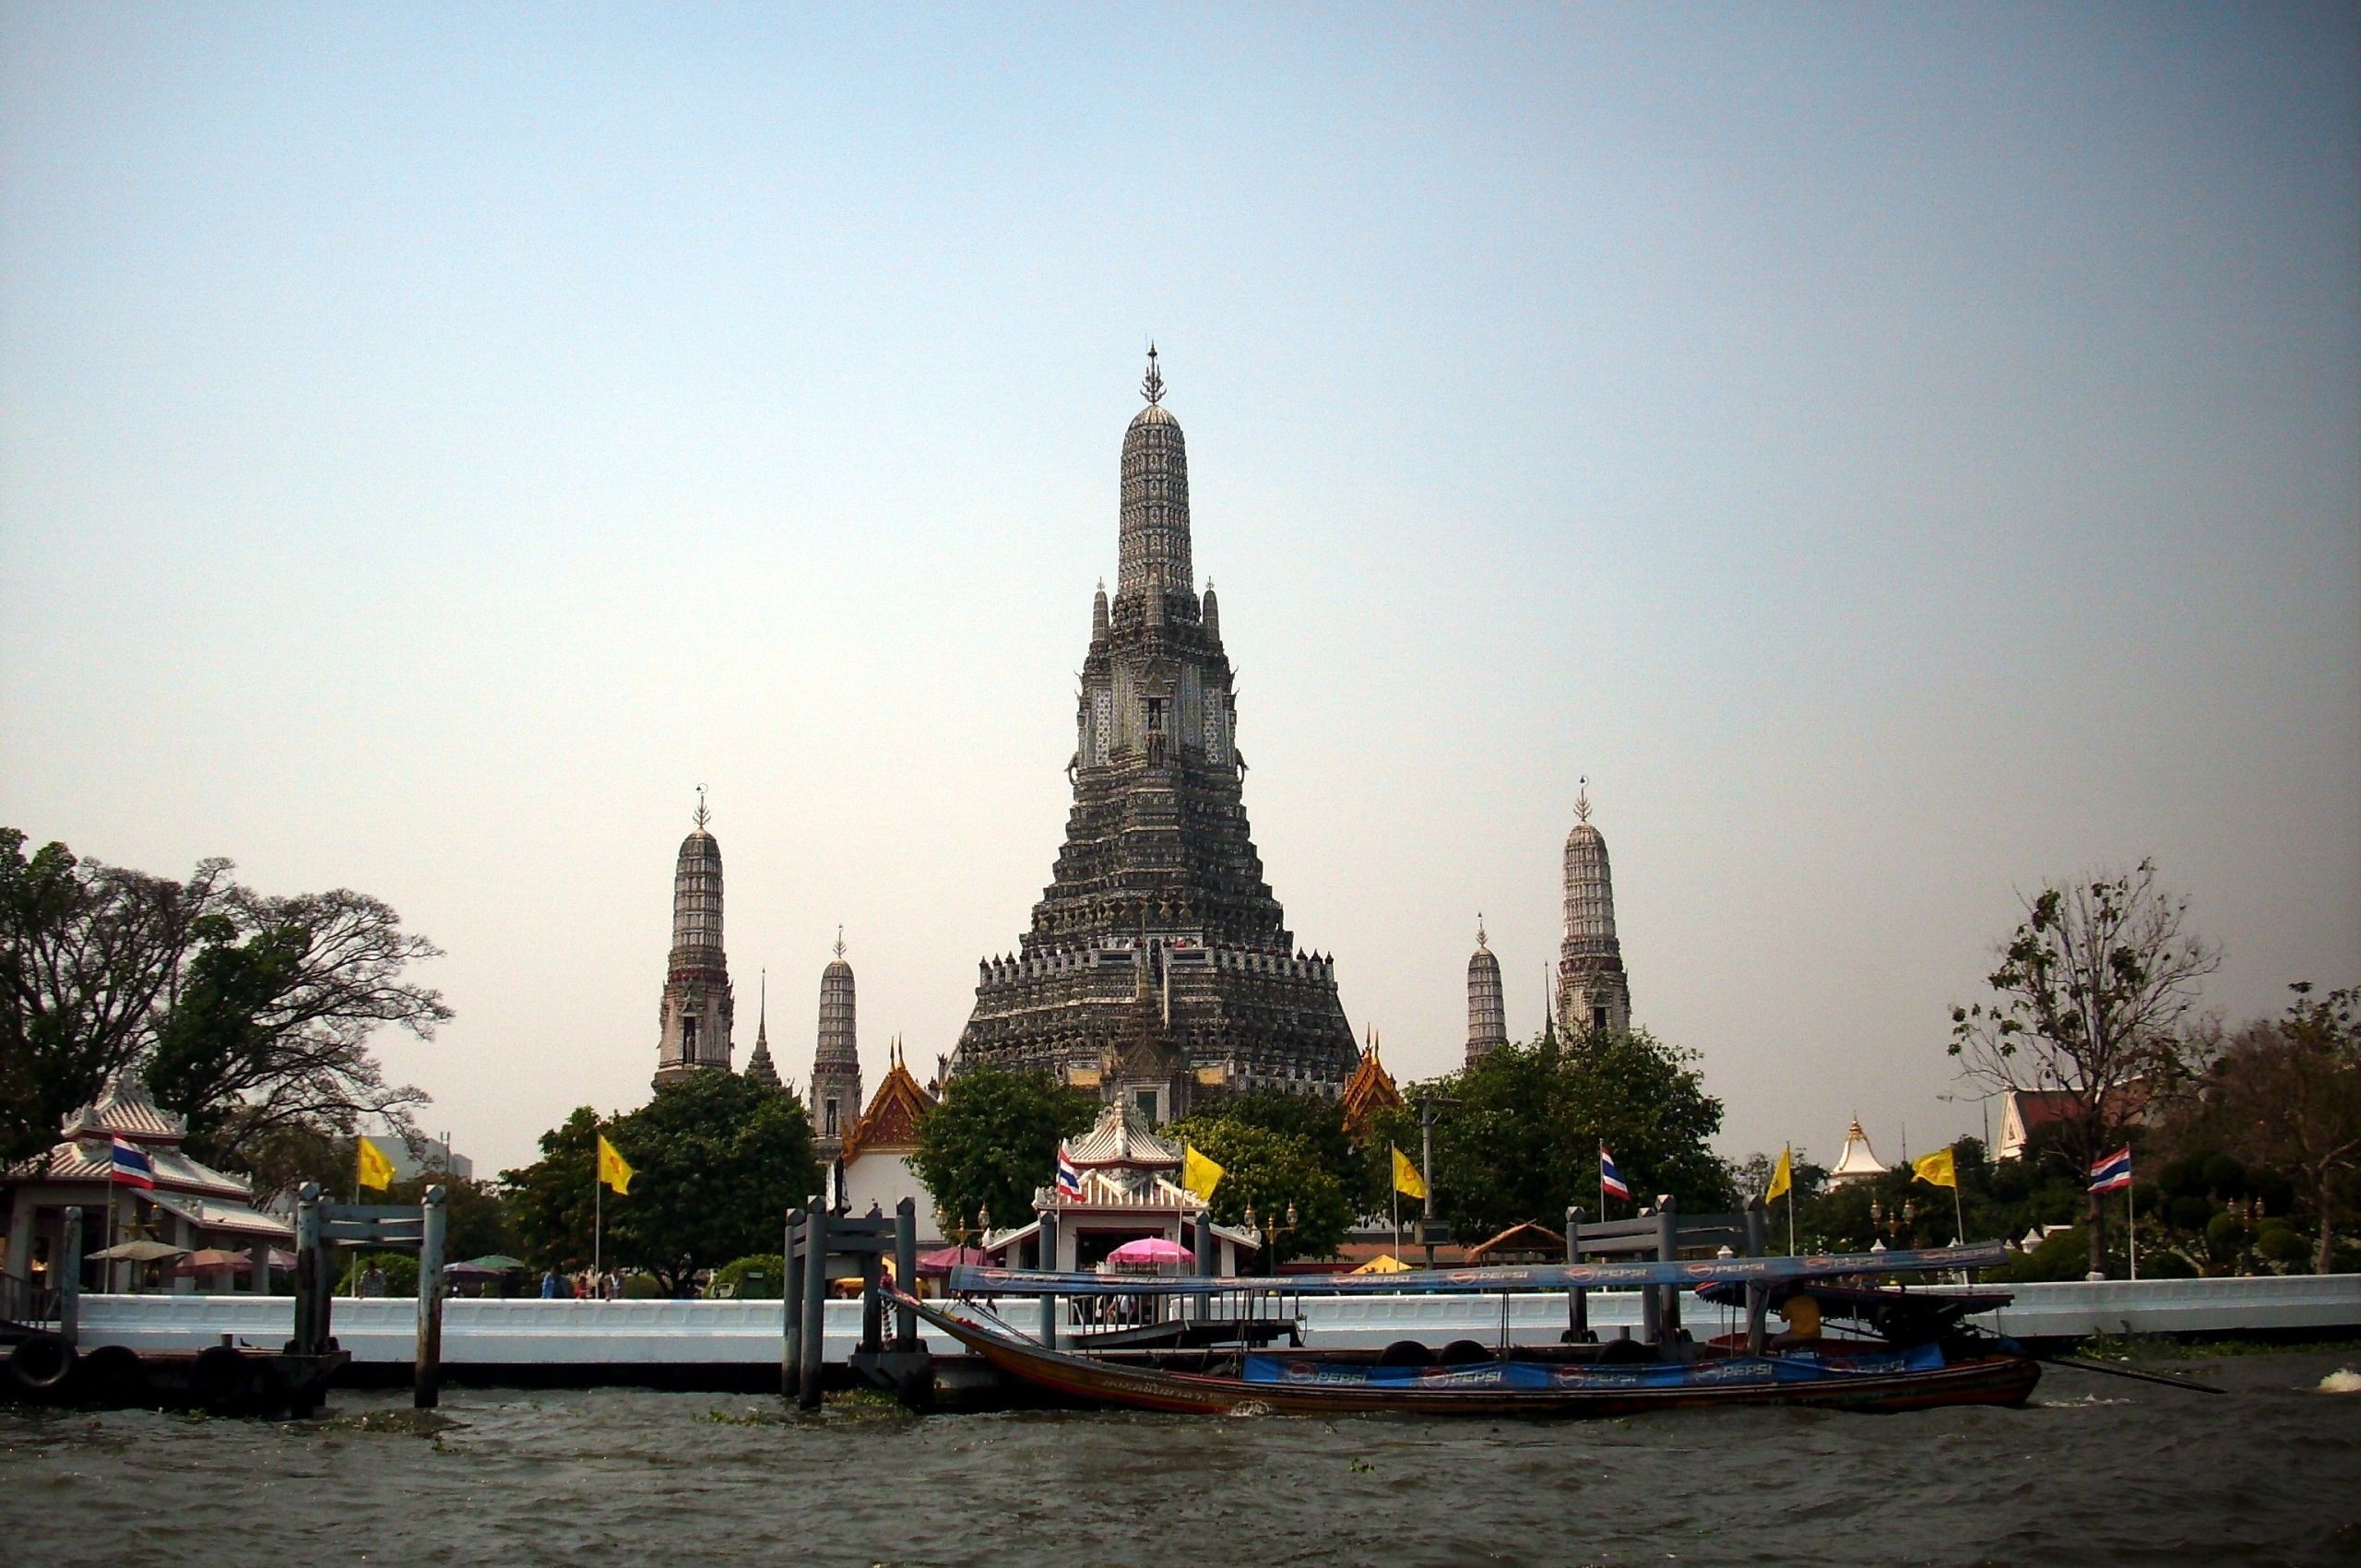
(1479, 928)
(1581, 800)
(763, 1009)
(704, 816)
(1152, 387)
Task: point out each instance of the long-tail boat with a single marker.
(1920, 1354)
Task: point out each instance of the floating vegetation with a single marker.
(401, 1423)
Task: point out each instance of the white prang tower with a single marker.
(1488, 1026)
(694, 1014)
(1593, 993)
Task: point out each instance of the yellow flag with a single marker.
(1936, 1169)
(1407, 1180)
(1783, 1176)
(1199, 1174)
(376, 1170)
(613, 1170)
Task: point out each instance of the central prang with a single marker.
(1159, 964)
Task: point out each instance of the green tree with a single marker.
(1318, 1123)
(2286, 1096)
(2092, 999)
(1517, 1132)
(717, 1162)
(994, 1140)
(90, 958)
(475, 1216)
(550, 1202)
(1270, 1173)
(249, 1014)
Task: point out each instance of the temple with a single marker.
(693, 1018)
(877, 1151)
(1859, 1162)
(1488, 1023)
(1129, 1192)
(1157, 963)
(1369, 1090)
(1592, 991)
(200, 1226)
(836, 1060)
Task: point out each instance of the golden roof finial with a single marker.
(1581, 800)
(1152, 387)
(704, 816)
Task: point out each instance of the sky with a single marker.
(1899, 455)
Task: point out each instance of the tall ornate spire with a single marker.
(836, 1062)
(1152, 547)
(1158, 874)
(759, 1066)
(693, 1018)
(1592, 990)
(1487, 1027)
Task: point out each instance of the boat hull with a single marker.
(1995, 1378)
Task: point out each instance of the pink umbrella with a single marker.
(1150, 1251)
(941, 1262)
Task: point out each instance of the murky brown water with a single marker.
(2098, 1470)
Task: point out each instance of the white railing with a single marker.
(533, 1332)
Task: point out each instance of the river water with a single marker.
(2096, 1470)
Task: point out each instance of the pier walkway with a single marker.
(490, 1334)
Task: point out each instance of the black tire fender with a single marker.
(40, 1363)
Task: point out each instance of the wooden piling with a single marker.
(68, 1273)
(815, 1304)
(426, 1384)
(905, 1272)
(1668, 1251)
(1577, 1298)
(790, 1300)
(311, 1261)
(1758, 1295)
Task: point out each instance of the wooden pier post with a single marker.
(1047, 1245)
(68, 1273)
(873, 1305)
(1758, 1295)
(815, 1304)
(426, 1376)
(790, 1300)
(905, 1272)
(1577, 1298)
(310, 1262)
(1669, 1251)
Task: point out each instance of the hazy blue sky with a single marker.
(1899, 455)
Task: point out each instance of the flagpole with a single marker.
(597, 1276)
(2131, 1227)
(1791, 1217)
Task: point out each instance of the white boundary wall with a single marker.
(533, 1332)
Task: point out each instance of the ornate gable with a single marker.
(1369, 1090)
(894, 1114)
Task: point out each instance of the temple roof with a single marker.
(90, 1160)
(894, 1114)
(1369, 1090)
(126, 1108)
(1858, 1160)
(1121, 1137)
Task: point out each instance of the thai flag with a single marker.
(1069, 1179)
(130, 1166)
(1610, 1181)
(2113, 1173)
